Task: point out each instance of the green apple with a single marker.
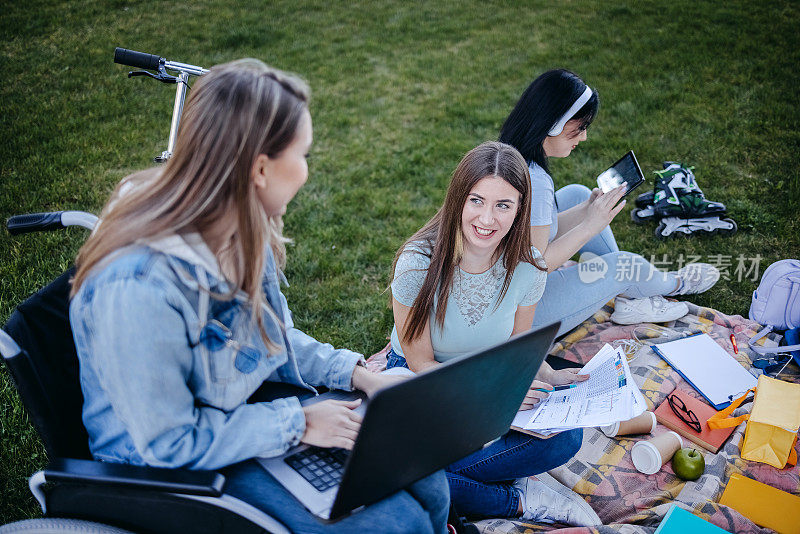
(688, 464)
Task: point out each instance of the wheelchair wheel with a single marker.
(59, 526)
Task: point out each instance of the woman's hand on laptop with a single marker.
(370, 383)
(332, 423)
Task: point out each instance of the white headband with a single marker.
(559, 126)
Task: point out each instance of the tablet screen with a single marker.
(625, 171)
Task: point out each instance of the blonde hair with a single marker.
(235, 112)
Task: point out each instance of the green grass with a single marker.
(401, 91)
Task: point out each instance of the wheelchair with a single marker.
(75, 492)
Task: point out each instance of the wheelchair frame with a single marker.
(119, 495)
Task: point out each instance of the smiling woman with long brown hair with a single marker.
(467, 280)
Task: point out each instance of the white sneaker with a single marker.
(696, 278)
(548, 501)
(648, 310)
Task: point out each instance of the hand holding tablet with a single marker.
(625, 171)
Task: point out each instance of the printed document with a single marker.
(609, 395)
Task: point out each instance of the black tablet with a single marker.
(625, 171)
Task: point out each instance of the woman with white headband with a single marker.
(549, 121)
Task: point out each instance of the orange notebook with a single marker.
(710, 440)
(763, 505)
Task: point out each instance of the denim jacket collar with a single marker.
(192, 249)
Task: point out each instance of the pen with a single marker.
(735, 346)
(568, 386)
(543, 390)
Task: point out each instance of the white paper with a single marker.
(609, 395)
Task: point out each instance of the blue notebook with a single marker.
(679, 521)
(709, 368)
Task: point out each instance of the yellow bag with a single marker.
(772, 424)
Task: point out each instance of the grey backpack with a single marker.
(776, 302)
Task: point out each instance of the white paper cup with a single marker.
(643, 423)
(648, 456)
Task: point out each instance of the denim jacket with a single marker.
(166, 369)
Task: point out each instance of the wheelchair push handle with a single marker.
(140, 60)
(53, 220)
(33, 222)
(160, 66)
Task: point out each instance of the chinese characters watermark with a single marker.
(632, 267)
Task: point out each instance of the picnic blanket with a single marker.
(602, 472)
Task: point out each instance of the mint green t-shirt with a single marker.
(471, 321)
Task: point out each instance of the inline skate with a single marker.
(680, 207)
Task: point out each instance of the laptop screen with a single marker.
(419, 426)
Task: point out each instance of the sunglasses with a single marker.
(771, 365)
(683, 413)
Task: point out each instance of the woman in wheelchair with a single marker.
(178, 316)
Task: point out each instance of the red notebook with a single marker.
(711, 440)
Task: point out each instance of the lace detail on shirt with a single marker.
(474, 293)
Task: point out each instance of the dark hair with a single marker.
(542, 104)
(442, 240)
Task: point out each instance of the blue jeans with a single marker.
(480, 484)
(420, 508)
(571, 300)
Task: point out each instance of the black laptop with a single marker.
(416, 427)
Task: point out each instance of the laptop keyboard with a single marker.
(322, 468)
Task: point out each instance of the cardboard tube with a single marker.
(643, 423)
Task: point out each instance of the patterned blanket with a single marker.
(630, 502)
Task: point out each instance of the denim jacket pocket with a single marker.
(227, 357)
(220, 364)
(246, 360)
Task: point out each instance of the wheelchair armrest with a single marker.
(70, 470)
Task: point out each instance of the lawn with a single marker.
(401, 90)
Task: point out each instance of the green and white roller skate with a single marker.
(680, 206)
